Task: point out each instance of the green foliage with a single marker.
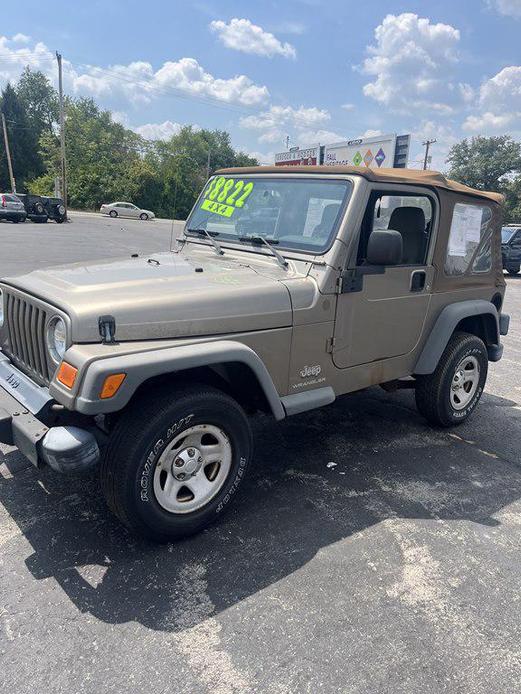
(23, 142)
(490, 163)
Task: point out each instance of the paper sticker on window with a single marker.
(224, 195)
(465, 228)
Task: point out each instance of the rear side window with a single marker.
(10, 198)
(470, 240)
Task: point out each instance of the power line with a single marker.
(427, 144)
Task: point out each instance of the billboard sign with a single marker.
(371, 152)
(299, 157)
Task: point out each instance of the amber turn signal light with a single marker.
(67, 374)
(111, 385)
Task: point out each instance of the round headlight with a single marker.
(1, 308)
(56, 339)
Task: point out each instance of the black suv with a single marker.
(55, 209)
(34, 206)
(511, 248)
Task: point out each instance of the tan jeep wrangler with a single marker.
(290, 287)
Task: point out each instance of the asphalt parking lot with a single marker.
(396, 569)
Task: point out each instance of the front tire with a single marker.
(450, 394)
(143, 216)
(513, 269)
(175, 461)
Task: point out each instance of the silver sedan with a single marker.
(126, 209)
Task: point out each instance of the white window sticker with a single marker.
(465, 228)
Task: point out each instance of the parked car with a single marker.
(54, 208)
(11, 208)
(34, 207)
(511, 248)
(153, 367)
(126, 209)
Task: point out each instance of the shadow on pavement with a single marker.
(387, 464)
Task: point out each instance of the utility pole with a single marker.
(8, 155)
(287, 141)
(427, 144)
(62, 134)
(208, 164)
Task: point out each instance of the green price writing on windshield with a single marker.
(224, 195)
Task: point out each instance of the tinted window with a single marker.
(470, 240)
(298, 213)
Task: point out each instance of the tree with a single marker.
(490, 163)
(23, 142)
(485, 162)
(182, 163)
(39, 100)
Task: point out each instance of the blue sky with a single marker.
(313, 70)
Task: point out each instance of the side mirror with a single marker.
(385, 248)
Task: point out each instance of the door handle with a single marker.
(418, 278)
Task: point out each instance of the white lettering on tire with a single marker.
(156, 449)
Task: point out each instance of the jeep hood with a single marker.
(164, 295)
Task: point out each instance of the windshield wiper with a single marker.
(203, 232)
(262, 240)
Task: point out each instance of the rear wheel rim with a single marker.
(192, 469)
(465, 382)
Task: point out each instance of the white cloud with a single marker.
(348, 107)
(371, 133)
(412, 62)
(21, 38)
(499, 103)
(242, 35)
(263, 157)
(508, 8)
(278, 121)
(136, 81)
(503, 91)
(324, 137)
(158, 131)
(487, 122)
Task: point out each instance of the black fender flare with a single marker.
(445, 325)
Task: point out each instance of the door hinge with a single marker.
(330, 344)
(339, 284)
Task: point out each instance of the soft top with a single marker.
(411, 176)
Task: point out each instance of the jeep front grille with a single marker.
(26, 337)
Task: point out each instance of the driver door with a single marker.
(381, 310)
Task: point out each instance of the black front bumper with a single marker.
(19, 427)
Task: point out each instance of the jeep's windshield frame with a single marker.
(300, 214)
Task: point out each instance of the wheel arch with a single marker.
(231, 366)
(477, 317)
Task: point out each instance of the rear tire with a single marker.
(450, 394)
(513, 270)
(146, 452)
(113, 214)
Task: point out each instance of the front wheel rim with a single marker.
(192, 469)
(465, 382)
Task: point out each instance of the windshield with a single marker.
(295, 214)
(507, 233)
